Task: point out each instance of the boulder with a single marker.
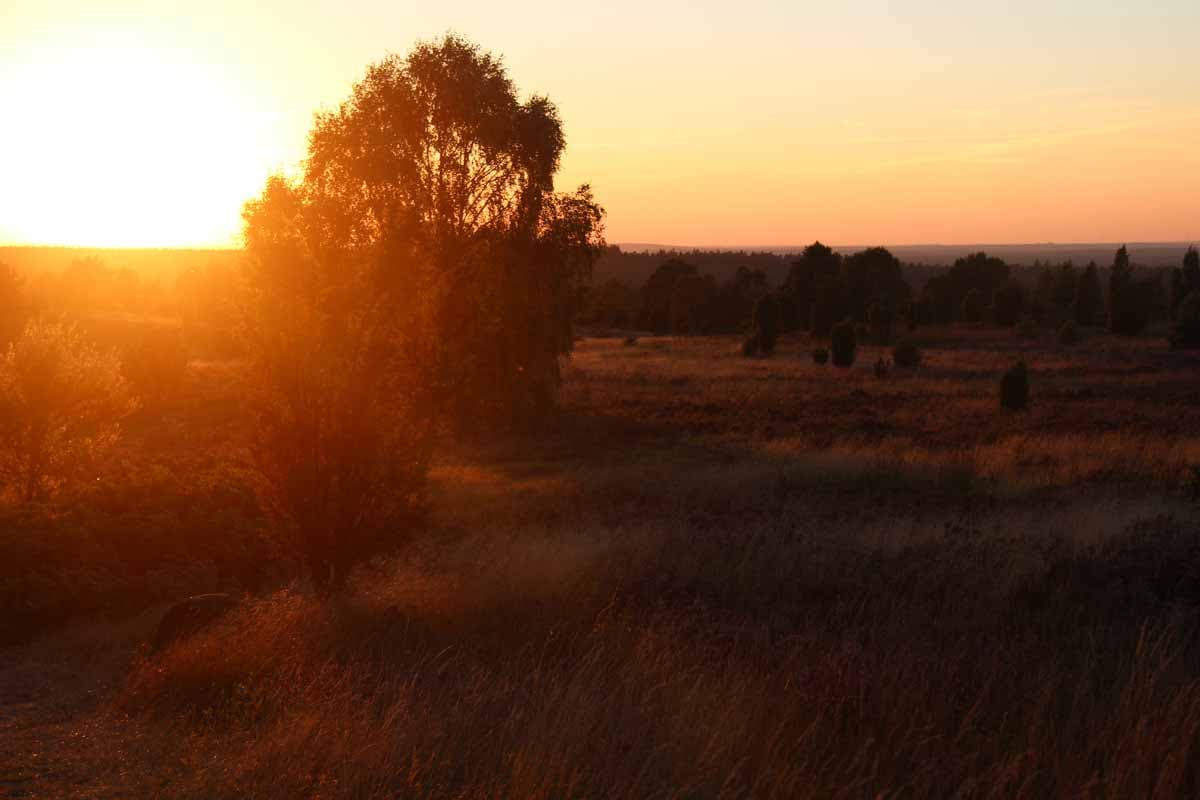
(191, 615)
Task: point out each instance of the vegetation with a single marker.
(1068, 333)
(843, 344)
(714, 620)
(907, 355)
(765, 324)
(1186, 331)
(459, 570)
(1014, 388)
(61, 403)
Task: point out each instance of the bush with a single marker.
(881, 319)
(881, 368)
(820, 356)
(843, 344)
(1014, 387)
(61, 402)
(750, 346)
(1068, 334)
(630, 341)
(1186, 331)
(156, 365)
(907, 355)
(1026, 329)
(765, 326)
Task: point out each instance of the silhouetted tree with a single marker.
(1062, 298)
(732, 306)
(1014, 388)
(765, 325)
(874, 277)
(843, 344)
(657, 291)
(435, 174)
(1089, 298)
(61, 403)
(882, 318)
(1127, 314)
(1185, 280)
(422, 272)
(1185, 333)
(811, 283)
(972, 307)
(613, 303)
(691, 301)
(978, 271)
(1008, 304)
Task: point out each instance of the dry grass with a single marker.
(712, 577)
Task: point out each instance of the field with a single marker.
(707, 576)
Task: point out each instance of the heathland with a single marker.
(707, 575)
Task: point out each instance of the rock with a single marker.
(191, 615)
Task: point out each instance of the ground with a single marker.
(706, 576)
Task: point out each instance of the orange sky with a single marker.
(133, 124)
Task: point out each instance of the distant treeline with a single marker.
(716, 292)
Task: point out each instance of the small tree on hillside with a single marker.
(61, 403)
(844, 344)
(342, 432)
(1185, 333)
(1185, 280)
(423, 272)
(766, 323)
(1089, 298)
(972, 307)
(882, 319)
(1014, 387)
(1008, 303)
(1126, 312)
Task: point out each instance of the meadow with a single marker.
(705, 576)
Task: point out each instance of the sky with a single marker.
(128, 123)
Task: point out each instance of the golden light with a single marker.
(114, 141)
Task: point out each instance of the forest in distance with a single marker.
(429, 490)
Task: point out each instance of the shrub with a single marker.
(765, 326)
(631, 341)
(1014, 387)
(1026, 329)
(820, 356)
(750, 346)
(61, 402)
(843, 344)
(1068, 334)
(972, 306)
(881, 368)
(907, 355)
(13, 305)
(1186, 331)
(881, 319)
(156, 366)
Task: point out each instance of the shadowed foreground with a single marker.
(714, 577)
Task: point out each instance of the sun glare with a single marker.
(116, 142)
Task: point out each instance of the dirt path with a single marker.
(58, 734)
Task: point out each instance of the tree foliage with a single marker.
(765, 325)
(1014, 387)
(61, 403)
(1089, 298)
(843, 344)
(13, 304)
(422, 272)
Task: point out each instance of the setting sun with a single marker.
(123, 143)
